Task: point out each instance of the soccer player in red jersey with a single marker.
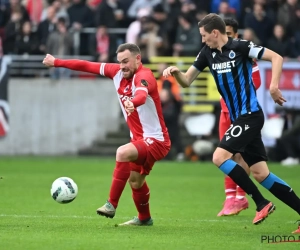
(139, 100)
(235, 196)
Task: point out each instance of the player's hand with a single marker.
(170, 71)
(129, 107)
(277, 96)
(49, 60)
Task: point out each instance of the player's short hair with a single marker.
(133, 48)
(213, 22)
(232, 23)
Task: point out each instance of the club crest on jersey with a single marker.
(213, 54)
(144, 83)
(231, 54)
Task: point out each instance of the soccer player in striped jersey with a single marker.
(138, 96)
(235, 201)
(230, 63)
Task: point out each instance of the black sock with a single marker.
(241, 178)
(282, 191)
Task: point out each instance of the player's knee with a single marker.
(260, 171)
(122, 154)
(218, 158)
(135, 184)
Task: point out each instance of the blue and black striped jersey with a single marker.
(232, 71)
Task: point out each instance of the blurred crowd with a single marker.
(159, 27)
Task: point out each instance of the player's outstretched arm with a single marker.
(74, 64)
(184, 79)
(277, 62)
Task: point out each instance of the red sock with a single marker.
(240, 193)
(141, 198)
(230, 187)
(120, 177)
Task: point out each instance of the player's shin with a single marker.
(282, 191)
(141, 198)
(241, 178)
(120, 177)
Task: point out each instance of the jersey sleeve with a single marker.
(201, 61)
(109, 69)
(144, 84)
(250, 49)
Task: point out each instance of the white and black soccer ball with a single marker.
(64, 190)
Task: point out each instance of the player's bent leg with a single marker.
(141, 196)
(238, 174)
(275, 185)
(124, 155)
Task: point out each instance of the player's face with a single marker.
(209, 38)
(128, 63)
(230, 32)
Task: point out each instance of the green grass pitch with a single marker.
(185, 199)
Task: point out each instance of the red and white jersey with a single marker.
(256, 81)
(147, 120)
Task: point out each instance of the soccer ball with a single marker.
(64, 190)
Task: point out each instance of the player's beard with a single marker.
(128, 74)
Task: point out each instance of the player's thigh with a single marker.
(242, 132)
(127, 152)
(224, 123)
(255, 152)
(149, 150)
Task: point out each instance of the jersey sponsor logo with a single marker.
(125, 98)
(144, 83)
(231, 54)
(223, 67)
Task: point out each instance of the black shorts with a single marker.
(244, 136)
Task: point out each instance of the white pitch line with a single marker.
(123, 218)
(96, 217)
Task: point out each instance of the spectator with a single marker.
(280, 43)
(188, 40)
(287, 16)
(45, 27)
(139, 4)
(80, 15)
(135, 27)
(27, 41)
(35, 10)
(224, 11)
(110, 13)
(13, 7)
(172, 23)
(60, 43)
(102, 45)
(250, 36)
(259, 23)
(12, 29)
(60, 8)
(160, 17)
(234, 5)
(151, 40)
